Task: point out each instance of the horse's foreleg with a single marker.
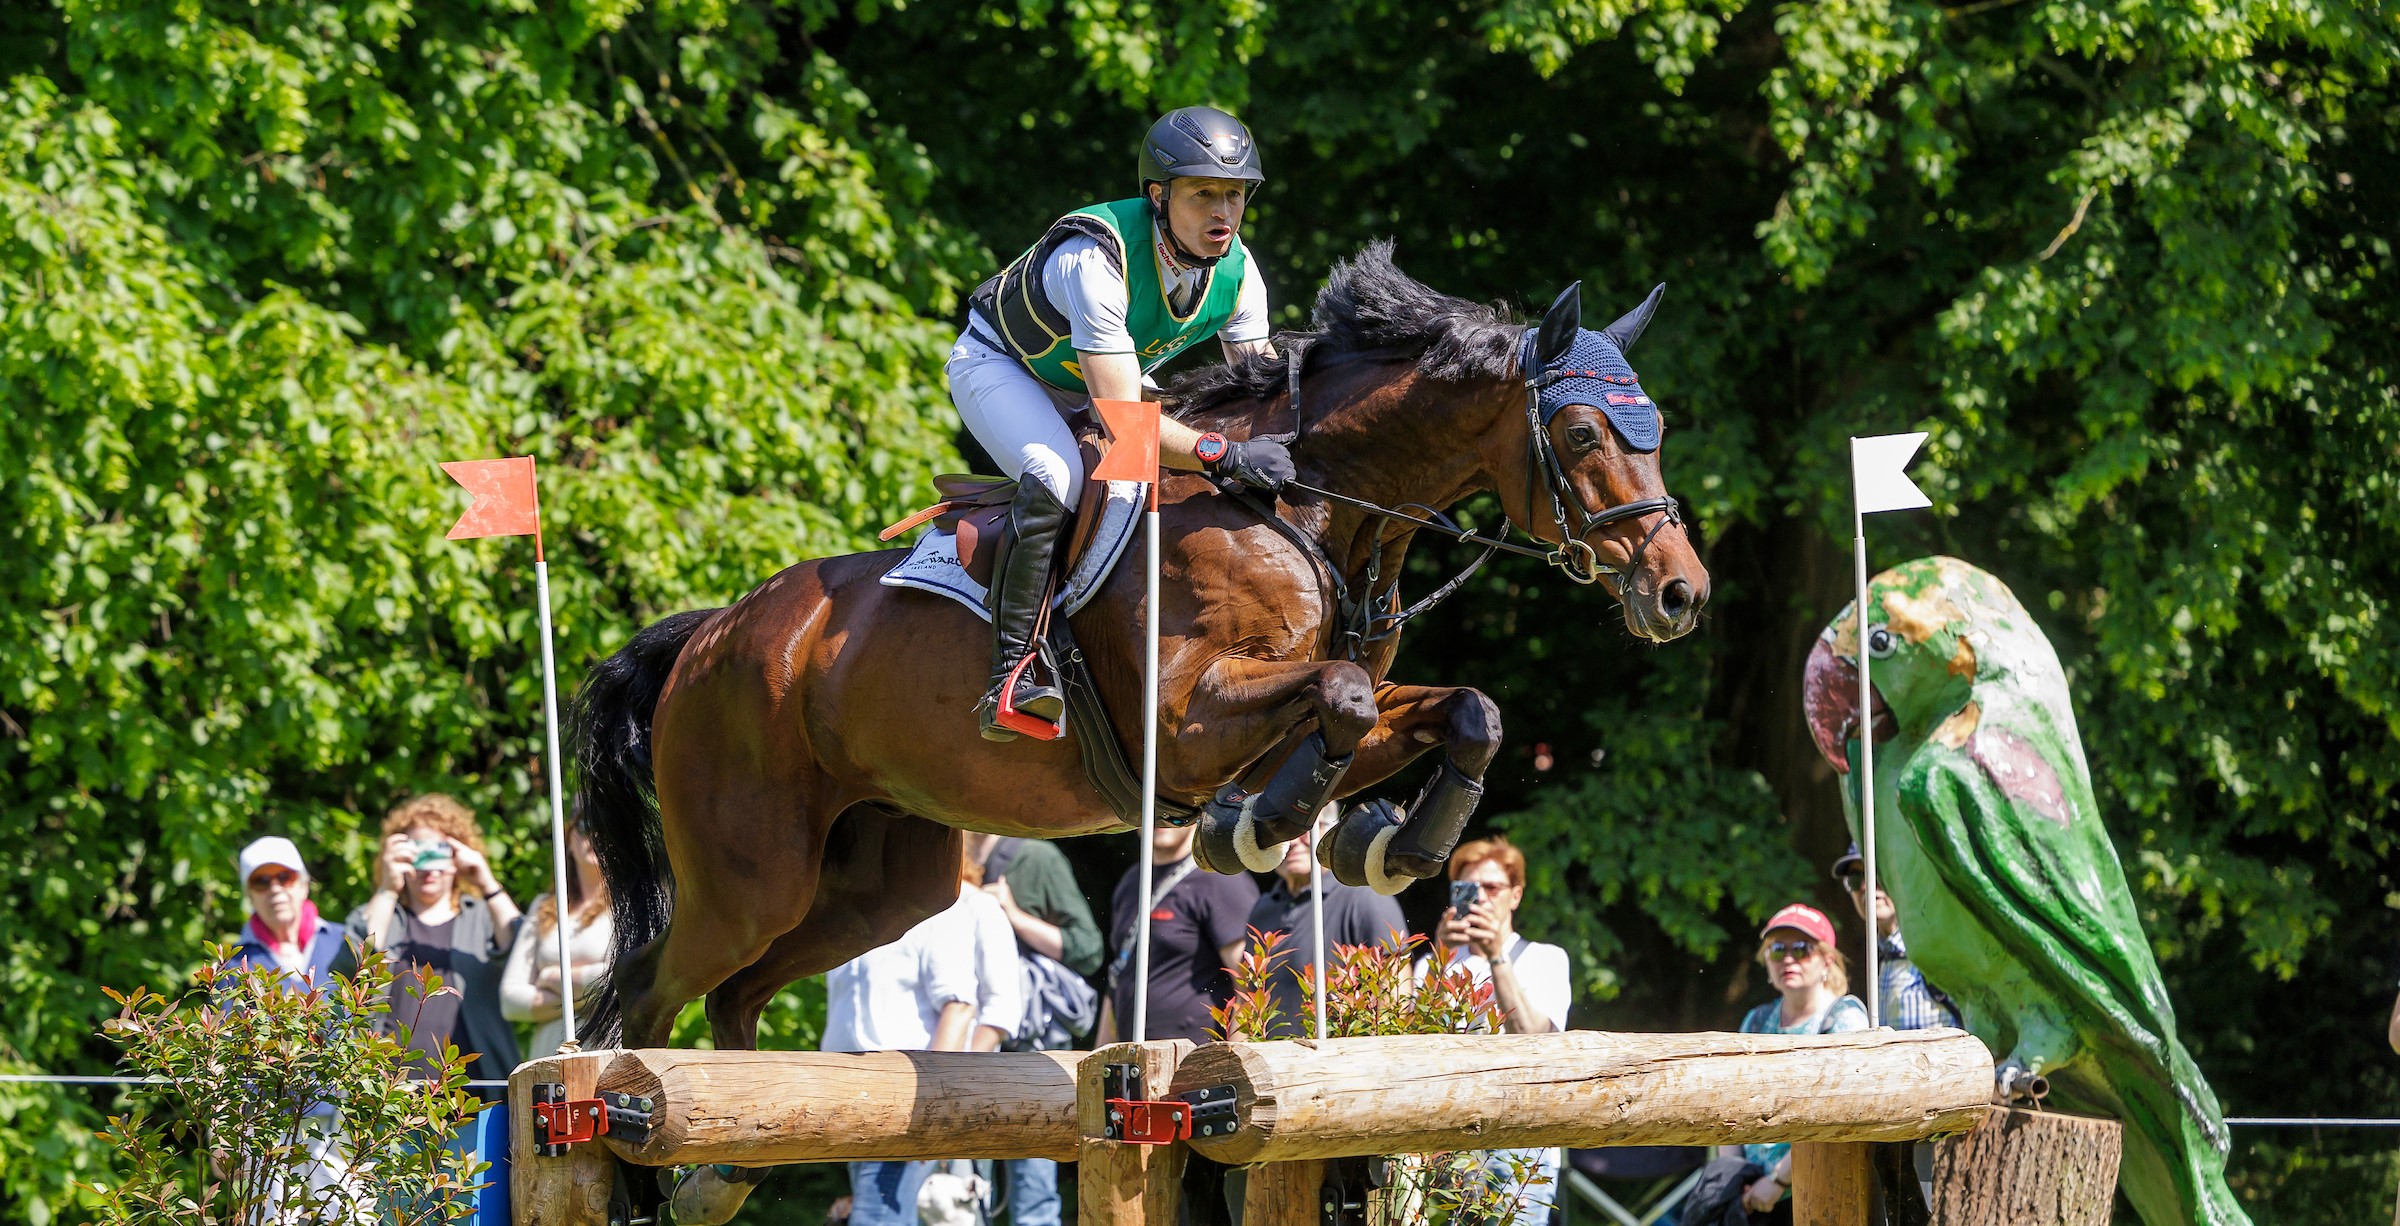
(1379, 848)
(1250, 705)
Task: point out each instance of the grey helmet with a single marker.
(1199, 142)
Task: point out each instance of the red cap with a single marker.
(1800, 917)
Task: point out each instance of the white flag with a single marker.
(1879, 472)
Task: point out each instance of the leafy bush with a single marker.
(306, 1103)
(1373, 990)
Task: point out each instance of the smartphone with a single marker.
(1463, 897)
(435, 854)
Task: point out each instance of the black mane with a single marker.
(1369, 308)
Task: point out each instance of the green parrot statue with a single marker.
(2010, 893)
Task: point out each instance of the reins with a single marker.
(1356, 620)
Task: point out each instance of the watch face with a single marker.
(1210, 448)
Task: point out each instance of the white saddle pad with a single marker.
(933, 565)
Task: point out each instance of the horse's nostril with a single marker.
(1675, 598)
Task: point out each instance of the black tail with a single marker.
(617, 799)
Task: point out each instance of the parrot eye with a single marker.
(1880, 643)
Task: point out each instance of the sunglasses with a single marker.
(1795, 950)
(269, 880)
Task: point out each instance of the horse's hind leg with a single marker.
(1246, 707)
(1374, 849)
(745, 853)
(884, 871)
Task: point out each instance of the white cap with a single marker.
(273, 849)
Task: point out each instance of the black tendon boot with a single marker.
(1374, 847)
(1018, 584)
(1241, 831)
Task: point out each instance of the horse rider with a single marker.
(1105, 296)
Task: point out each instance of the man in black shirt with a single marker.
(1354, 915)
(1196, 938)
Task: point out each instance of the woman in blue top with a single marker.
(1812, 984)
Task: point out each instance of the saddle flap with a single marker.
(979, 531)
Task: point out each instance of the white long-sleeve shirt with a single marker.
(999, 973)
(536, 950)
(889, 999)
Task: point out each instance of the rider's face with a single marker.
(1205, 214)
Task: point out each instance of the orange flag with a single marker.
(505, 502)
(1133, 440)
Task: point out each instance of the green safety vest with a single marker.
(1038, 333)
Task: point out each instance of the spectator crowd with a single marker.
(1011, 965)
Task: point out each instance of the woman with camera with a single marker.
(438, 910)
(1531, 983)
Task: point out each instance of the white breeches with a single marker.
(1015, 416)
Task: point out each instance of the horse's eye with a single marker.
(1582, 436)
(1880, 643)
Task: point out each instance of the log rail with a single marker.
(1297, 1101)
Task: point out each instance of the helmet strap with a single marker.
(1158, 213)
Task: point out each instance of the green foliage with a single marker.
(1374, 990)
(250, 1077)
(262, 268)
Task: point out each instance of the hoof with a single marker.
(705, 1197)
(1356, 853)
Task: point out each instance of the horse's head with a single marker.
(1586, 469)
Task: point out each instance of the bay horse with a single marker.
(780, 785)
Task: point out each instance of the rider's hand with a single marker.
(1260, 463)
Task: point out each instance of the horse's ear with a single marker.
(1629, 329)
(1558, 326)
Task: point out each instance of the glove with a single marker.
(1260, 463)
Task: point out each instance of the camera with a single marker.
(1463, 896)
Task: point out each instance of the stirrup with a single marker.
(1006, 716)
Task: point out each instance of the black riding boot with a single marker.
(1018, 584)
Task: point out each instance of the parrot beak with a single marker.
(1829, 696)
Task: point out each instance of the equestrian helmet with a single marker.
(1199, 142)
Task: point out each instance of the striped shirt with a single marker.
(1908, 1002)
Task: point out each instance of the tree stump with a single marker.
(2028, 1168)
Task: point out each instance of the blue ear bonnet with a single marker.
(1594, 371)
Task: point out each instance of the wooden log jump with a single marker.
(1296, 1102)
(765, 1108)
(1583, 1089)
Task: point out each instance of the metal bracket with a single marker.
(1136, 1120)
(1214, 1112)
(559, 1121)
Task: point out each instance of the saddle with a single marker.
(974, 510)
(974, 513)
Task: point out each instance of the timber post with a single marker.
(2029, 1168)
(570, 1189)
(1119, 1183)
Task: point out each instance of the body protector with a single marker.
(1014, 308)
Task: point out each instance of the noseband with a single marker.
(1575, 555)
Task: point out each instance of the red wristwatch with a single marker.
(1209, 448)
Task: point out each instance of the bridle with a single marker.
(1361, 622)
(1575, 554)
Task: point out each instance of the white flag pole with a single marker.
(558, 803)
(1141, 943)
(1316, 915)
(1866, 774)
(1878, 482)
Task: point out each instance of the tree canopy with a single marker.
(265, 263)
